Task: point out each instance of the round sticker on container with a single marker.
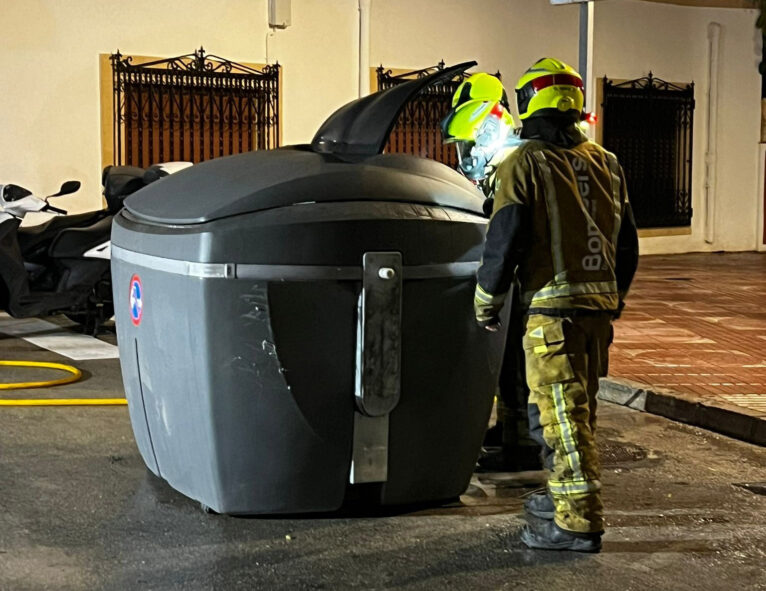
(136, 300)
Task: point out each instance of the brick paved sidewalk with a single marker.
(695, 325)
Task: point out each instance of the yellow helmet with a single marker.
(478, 123)
(480, 87)
(479, 105)
(549, 86)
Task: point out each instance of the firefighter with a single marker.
(482, 129)
(562, 228)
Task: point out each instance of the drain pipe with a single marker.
(585, 62)
(364, 47)
(711, 158)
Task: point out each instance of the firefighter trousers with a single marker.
(565, 357)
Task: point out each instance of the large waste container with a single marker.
(295, 322)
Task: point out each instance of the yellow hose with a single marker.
(76, 374)
(65, 402)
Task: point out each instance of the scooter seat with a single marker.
(73, 242)
(32, 237)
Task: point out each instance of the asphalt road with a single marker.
(80, 511)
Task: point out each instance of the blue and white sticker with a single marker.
(136, 300)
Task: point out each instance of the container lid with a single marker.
(361, 128)
(262, 180)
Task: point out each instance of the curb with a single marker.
(728, 419)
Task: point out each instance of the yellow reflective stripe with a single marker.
(482, 295)
(487, 298)
(540, 349)
(565, 432)
(565, 487)
(570, 289)
(614, 168)
(578, 483)
(557, 253)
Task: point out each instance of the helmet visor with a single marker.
(464, 151)
(447, 136)
(471, 160)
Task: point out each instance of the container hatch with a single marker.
(361, 128)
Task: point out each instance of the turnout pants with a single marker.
(565, 357)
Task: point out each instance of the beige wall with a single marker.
(672, 43)
(49, 105)
(504, 35)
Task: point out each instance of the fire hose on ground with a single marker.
(74, 375)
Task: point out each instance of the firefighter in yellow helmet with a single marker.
(562, 228)
(481, 127)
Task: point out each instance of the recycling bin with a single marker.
(296, 323)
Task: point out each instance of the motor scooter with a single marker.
(62, 266)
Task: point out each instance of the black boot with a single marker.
(540, 504)
(548, 536)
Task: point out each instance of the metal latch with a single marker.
(378, 363)
(379, 334)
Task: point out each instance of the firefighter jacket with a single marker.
(562, 226)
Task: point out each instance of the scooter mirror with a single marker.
(67, 188)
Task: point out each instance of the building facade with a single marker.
(53, 128)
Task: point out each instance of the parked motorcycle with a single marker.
(62, 265)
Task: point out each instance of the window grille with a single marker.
(192, 107)
(417, 131)
(648, 124)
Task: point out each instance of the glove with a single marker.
(487, 308)
(492, 325)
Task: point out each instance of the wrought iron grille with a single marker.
(648, 124)
(417, 130)
(192, 107)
